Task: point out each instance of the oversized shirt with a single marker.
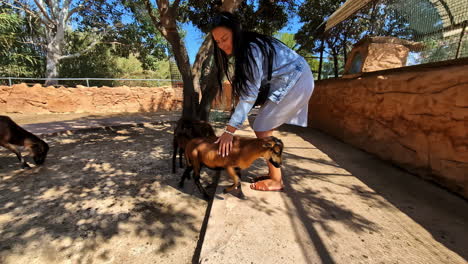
(286, 70)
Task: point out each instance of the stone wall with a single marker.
(21, 98)
(415, 117)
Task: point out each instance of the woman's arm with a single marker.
(247, 101)
(245, 105)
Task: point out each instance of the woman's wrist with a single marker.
(228, 132)
(230, 129)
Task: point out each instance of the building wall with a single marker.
(415, 117)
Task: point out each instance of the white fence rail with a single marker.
(10, 79)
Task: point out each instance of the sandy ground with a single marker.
(340, 205)
(107, 196)
(104, 196)
(23, 119)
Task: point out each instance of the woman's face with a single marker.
(223, 37)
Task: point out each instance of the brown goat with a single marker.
(12, 135)
(185, 130)
(204, 152)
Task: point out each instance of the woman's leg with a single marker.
(275, 181)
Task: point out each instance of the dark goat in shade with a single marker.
(184, 131)
(12, 135)
(201, 152)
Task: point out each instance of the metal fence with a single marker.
(94, 81)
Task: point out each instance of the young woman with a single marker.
(266, 72)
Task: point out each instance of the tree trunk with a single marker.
(51, 68)
(183, 64)
(321, 61)
(345, 56)
(335, 61)
(372, 19)
(204, 53)
(209, 93)
(55, 38)
(167, 25)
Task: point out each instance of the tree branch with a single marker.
(90, 47)
(23, 8)
(230, 6)
(117, 43)
(162, 6)
(202, 55)
(27, 10)
(76, 9)
(149, 8)
(67, 3)
(40, 5)
(176, 3)
(51, 7)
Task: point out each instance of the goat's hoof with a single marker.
(235, 191)
(228, 189)
(181, 185)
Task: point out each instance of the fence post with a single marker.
(87, 82)
(462, 34)
(9, 81)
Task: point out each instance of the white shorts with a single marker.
(292, 109)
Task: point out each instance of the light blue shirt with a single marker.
(286, 70)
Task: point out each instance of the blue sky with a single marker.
(194, 37)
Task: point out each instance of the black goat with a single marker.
(12, 135)
(185, 130)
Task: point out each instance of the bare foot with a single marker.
(267, 185)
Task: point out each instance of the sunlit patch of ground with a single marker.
(102, 196)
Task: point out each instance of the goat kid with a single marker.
(185, 130)
(201, 152)
(12, 135)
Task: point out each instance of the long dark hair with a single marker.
(242, 52)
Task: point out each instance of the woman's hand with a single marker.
(225, 144)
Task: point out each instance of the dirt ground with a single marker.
(23, 119)
(103, 196)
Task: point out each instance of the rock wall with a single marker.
(416, 118)
(384, 56)
(21, 98)
(379, 53)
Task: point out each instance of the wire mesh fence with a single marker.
(433, 31)
(175, 74)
